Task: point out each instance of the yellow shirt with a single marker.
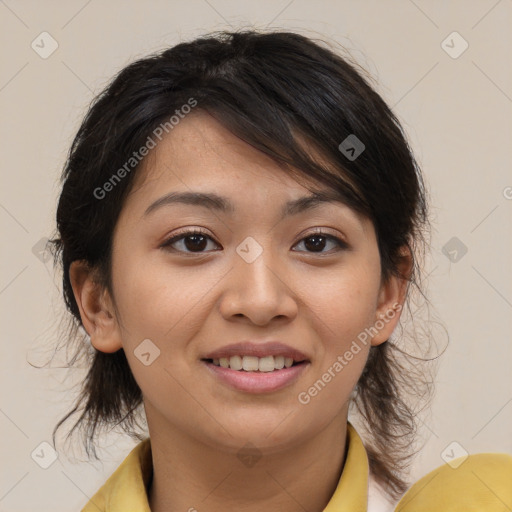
(483, 483)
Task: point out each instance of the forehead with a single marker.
(201, 152)
(199, 157)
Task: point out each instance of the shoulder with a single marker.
(126, 489)
(479, 482)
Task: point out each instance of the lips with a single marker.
(257, 367)
(259, 350)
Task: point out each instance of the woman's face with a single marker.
(257, 281)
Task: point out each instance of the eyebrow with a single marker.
(215, 202)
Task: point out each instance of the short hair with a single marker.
(284, 94)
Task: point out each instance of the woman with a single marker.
(239, 224)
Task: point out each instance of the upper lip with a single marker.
(248, 348)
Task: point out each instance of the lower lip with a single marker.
(258, 382)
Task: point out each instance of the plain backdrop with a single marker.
(454, 102)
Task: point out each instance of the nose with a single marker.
(259, 291)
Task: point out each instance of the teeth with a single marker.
(254, 364)
(250, 363)
(266, 364)
(235, 363)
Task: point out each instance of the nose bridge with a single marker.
(256, 262)
(255, 288)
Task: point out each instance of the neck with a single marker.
(189, 475)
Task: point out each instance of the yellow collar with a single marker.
(126, 489)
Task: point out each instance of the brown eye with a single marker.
(190, 241)
(317, 242)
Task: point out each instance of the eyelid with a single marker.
(188, 231)
(324, 231)
(338, 239)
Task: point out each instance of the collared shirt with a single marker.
(482, 482)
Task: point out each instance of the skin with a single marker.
(189, 304)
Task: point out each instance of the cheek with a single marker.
(345, 303)
(155, 300)
(344, 306)
(164, 306)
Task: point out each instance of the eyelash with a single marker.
(342, 245)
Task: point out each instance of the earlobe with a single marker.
(386, 323)
(392, 296)
(96, 309)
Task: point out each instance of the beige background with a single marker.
(457, 112)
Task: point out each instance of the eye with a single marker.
(316, 242)
(194, 241)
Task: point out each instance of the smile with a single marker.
(254, 364)
(256, 375)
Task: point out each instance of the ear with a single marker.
(392, 294)
(96, 308)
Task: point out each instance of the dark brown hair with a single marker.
(275, 90)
